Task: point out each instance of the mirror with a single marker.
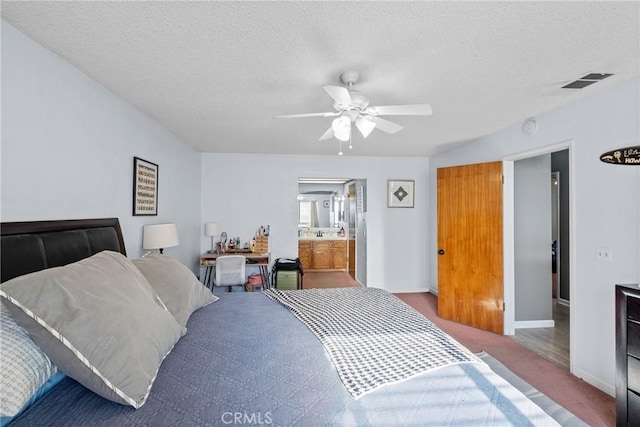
(321, 203)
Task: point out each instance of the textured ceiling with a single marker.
(216, 73)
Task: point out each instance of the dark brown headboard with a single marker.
(26, 247)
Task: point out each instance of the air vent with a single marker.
(587, 80)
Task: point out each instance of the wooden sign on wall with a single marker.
(623, 156)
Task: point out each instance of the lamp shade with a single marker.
(158, 236)
(342, 128)
(211, 229)
(365, 126)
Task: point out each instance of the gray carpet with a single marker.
(557, 412)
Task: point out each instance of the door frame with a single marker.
(556, 213)
(509, 236)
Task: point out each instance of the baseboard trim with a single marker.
(528, 324)
(433, 291)
(599, 384)
(411, 291)
(564, 302)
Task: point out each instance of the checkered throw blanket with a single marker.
(372, 337)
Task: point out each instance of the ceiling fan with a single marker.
(353, 106)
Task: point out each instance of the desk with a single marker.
(259, 260)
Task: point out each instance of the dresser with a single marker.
(628, 355)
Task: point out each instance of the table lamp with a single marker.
(211, 229)
(160, 236)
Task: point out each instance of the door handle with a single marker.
(441, 252)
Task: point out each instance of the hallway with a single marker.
(550, 343)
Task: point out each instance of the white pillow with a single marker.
(99, 321)
(176, 285)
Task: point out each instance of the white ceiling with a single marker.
(216, 73)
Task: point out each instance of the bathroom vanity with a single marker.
(326, 253)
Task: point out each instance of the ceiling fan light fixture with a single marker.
(342, 128)
(365, 126)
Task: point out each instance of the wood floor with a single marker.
(550, 343)
(330, 279)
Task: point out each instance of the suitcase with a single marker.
(287, 274)
(287, 280)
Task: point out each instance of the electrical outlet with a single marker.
(604, 254)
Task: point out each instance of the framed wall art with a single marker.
(145, 187)
(400, 193)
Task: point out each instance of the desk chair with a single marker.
(230, 271)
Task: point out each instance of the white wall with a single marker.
(242, 192)
(605, 211)
(68, 145)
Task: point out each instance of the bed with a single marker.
(243, 358)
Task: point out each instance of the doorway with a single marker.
(551, 339)
(330, 207)
(561, 153)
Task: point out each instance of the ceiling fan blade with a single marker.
(340, 94)
(401, 110)
(385, 125)
(295, 116)
(328, 134)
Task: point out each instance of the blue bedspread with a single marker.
(247, 360)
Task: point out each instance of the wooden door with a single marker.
(470, 272)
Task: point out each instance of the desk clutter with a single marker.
(255, 252)
(258, 244)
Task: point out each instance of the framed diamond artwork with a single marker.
(400, 193)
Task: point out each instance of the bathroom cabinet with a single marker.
(323, 254)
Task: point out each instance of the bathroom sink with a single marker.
(325, 237)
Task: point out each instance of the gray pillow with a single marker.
(176, 285)
(99, 321)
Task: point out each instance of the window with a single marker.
(304, 218)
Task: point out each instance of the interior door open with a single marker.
(470, 244)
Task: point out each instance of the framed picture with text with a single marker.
(400, 193)
(145, 187)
